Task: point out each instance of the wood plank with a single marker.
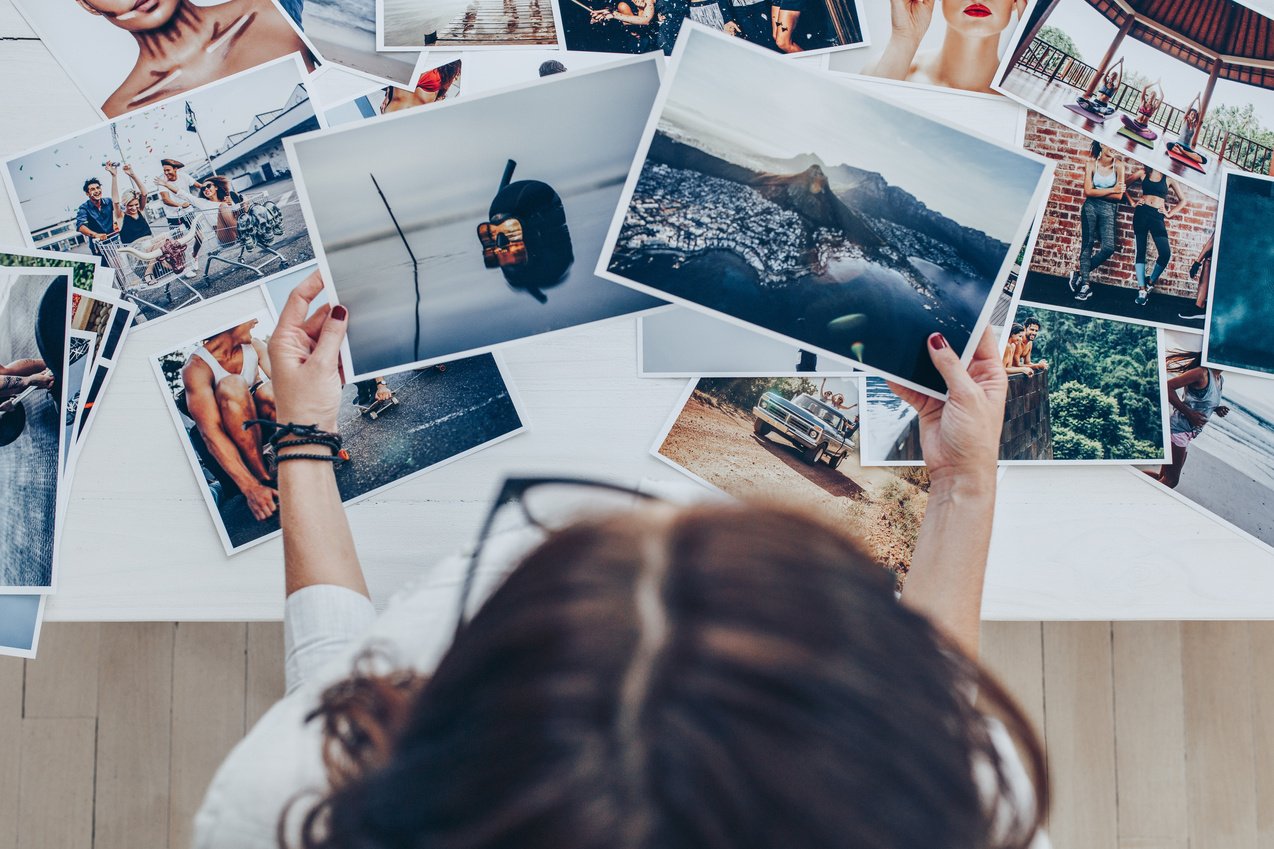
(1216, 667)
(209, 661)
(1014, 652)
(63, 683)
(1149, 735)
(1079, 728)
(11, 675)
(1261, 635)
(57, 783)
(265, 669)
(134, 704)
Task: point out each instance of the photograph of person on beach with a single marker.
(126, 55)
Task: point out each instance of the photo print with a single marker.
(33, 370)
(952, 45)
(79, 349)
(492, 70)
(84, 270)
(343, 32)
(854, 232)
(20, 619)
(1222, 441)
(186, 201)
(1183, 87)
(433, 85)
(802, 27)
(393, 427)
(126, 55)
(1240, 301)
(1117, 238)
(110, 321)
(754, 438)
(491, 237)
(680, 342)
(465, 24)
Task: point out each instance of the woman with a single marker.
(1013, 352)
(1201, 269)
(134, 229)
(640, 33)
(1103, 187)
(216, 190)
(1149, 221)
(970, 51)
(432, 86)
(182, 46)
(729, 676)
(1184, 145)
(1200, 397)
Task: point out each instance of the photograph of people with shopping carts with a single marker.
(187, 200)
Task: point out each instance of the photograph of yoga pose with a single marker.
(127, 55)
(1222, 441)
(1117, 239)
(642, 26)
(220, 395)
(1241, 301)
(185, 201)
(953, 45)
(1183, 86)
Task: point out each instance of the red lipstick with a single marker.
(977, 10)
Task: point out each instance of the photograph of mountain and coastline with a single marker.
(823, 215)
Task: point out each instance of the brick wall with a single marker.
(1057, 249)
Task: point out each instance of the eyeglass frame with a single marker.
(514, 490)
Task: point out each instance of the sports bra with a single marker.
(248, 372)
(1105, 181)
(1155, 188)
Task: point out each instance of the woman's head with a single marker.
(713, 677)
(978, 18)
(1016, 332)
(1100, 152)
(132, 16)
(217, 188)
(1191, 116)
(132, 203)
(1180, 362)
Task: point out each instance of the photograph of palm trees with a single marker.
(799, 205)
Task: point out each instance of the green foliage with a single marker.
(81, 272)
(1243, 120)
(1059, 39)
(743, 392)
(1104, 386)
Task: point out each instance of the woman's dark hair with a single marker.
(1016, 329)
(1096, 148)
(720, 677)
(1180, 362)
(447, 75)
(222, 187)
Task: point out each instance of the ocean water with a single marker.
(406, 21)
(886, 416)
(360, 14)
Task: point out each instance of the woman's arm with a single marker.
(117, 214)
(1170, 211)
(645, 16)
(960, 440)
(910, 21)
(304, 353)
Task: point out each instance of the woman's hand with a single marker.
(960, 438)
(910, 19)
(305, 358)
(1222, 411)
(1195, 418)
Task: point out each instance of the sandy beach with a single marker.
(1228, 492)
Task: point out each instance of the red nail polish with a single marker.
(937, 341)
(339, 312)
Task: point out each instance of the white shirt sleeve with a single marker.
(320, 623)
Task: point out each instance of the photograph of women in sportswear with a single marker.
(1194, 95)
(409, 25)
(220, 396)
(126, 55)
(1222, 441)
(343, 32)
(949, 44)
(1105, 216)
(1241, 302)
(639, 26)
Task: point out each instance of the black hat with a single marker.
(526, 235)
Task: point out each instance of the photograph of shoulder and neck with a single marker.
(1082, 390)
(797, 27)
(392, 427)
(855, 232)
(680, 342)
(33, 365)
(1240, 302)
(343, 32)
(944, 44)
(1222, 436)
(1118, 238)
(440, 256)
(1184, 87)
(126, 55)
(794, 440)
(465, 24)
(186, 201)
(20, 619)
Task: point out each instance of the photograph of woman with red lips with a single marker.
(179, 45)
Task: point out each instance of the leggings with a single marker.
(1096, 224)
(1146, 220)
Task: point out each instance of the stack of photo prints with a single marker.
(787, 197)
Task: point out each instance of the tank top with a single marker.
(248, 371)
(1104, 181)
(1203, 400)
(1155, 188)
(131, 229)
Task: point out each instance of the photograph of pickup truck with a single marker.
(794, 441)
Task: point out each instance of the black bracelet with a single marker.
(279, 431)
(334, 444)
(330, 458)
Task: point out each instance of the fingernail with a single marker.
(339, 312)
(937, 342)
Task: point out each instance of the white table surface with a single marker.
(1070, 543)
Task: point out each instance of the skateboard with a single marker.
(374, 409)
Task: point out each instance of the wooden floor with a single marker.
(1160, 735)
